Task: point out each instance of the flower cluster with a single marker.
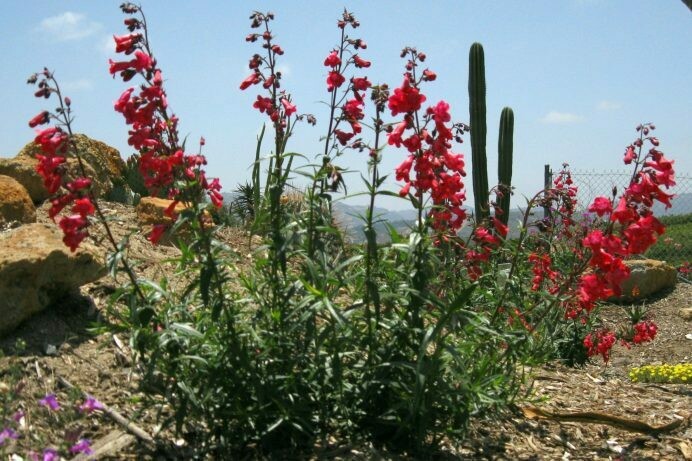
(600, 342)
(338, 61)
(72, 443)
(541, 270)
(680, 373)
(638, 227)
(154, 133)
(644, 331)
(436, 169)
(54, 142)
(277, 105)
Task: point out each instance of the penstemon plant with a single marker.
(400, 344)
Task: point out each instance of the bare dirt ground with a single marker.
(594, 412)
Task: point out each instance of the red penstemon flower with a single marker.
(154, 131)
(431, 168)
(54, 142)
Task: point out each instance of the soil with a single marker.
(563, 419)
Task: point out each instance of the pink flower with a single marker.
(90, 405)
(125, 43)
(359, 62)
(250, 80)
(40, 119)
(332, 60)
(343, 137)
(601, 206)
(360, 83)
(334, 80)
(429, 75)
(263, 104)
(50, 454)
(83, 446)
(83, 206)
(630, 155)
(405, 98)
(289, 108)
(7, 433)
(50, 401)
(157, 232)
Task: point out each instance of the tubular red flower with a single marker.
(332, 60)
(40, 119)
(334, 80)
(405, 98)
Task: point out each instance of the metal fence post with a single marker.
(547, 184)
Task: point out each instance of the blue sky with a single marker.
(579, 74)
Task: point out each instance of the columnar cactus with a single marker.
(478, 131)
(479, 162)
(505, 145)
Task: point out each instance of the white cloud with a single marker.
(561, 118)
(609, 105)
(69, 26)
(78, 85)
(107, 45)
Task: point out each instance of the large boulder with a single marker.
(102, 163)
(37, 269)
(15, 204)
(23, 170)
(647, 277)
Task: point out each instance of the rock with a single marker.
(103, 163)
(23, 170)
(686, 313)
(647, 277)
(37, 269)
(15, 203)
(150, 210)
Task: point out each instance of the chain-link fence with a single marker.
(675, 246)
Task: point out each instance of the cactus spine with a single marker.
(505, 145)
(479, 129)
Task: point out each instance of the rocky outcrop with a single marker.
(150, 210)
(102, 163)
(15, 203)
(647, 277)
(37, 269)
(23, 170)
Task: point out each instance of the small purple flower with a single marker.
(18, 415)
(50, 454)
(50, 401)
(7, 433)
(83, 446)
(90, 405)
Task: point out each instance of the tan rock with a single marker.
(103, 163)
(647, 277)
(15, 203)
(37, 269)
(150, 210)
(23, 170)
(686, 313)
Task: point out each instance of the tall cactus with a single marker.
(479, 163)
(505, 145)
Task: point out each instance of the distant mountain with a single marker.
(350, 218)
